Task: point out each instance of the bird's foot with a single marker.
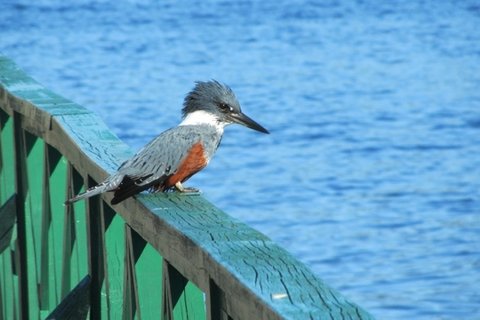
(183, 189)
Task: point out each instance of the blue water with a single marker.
(371, 174)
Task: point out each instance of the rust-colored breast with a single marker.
(192, 163)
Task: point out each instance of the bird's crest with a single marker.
(206, 95)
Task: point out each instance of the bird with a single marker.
(178, 153)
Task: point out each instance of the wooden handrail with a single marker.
(153, 255)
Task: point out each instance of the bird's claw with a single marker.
(183, 189)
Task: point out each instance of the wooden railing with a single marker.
(168, 256)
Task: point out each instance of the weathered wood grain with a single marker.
(243, 272)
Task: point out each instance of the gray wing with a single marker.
(158, 160)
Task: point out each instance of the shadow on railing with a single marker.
(168, 256)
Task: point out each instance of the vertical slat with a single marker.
(79, 261)
(180, 298)
(68, 241)
(106, 217)
(149, 279)
(8, 281)
(134, 246)
(216, 304)
(173, 286)
(76, 250)
(128, 279)
(95, 257)
(53, 232)
(7, 158)
(46, 220)
(191, 304)
(21, 190)
(114, 255)
(74, 259)
(7, 225)
(52, 160)
(34, 148)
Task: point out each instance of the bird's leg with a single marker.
(179, 186)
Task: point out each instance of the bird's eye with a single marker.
(225, 107)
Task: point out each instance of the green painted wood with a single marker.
(75, 304)
(96, 253)
(173, 286)
(191, 304)
(20, 254)
(133, 248)
(149, 280)
(7, 222)
(181, 298)
(115, 255)
(8, 280)
(7, 166)
(49, 267)
(53, 228)
(75, 249)
(8, 286)
(106, 217)
(232, 269)
(33, 218)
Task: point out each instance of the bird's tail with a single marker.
(93, 191)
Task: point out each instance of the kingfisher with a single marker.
(175, 155)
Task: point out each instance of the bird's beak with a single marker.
(246, 121)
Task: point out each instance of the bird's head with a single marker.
(212, 101)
